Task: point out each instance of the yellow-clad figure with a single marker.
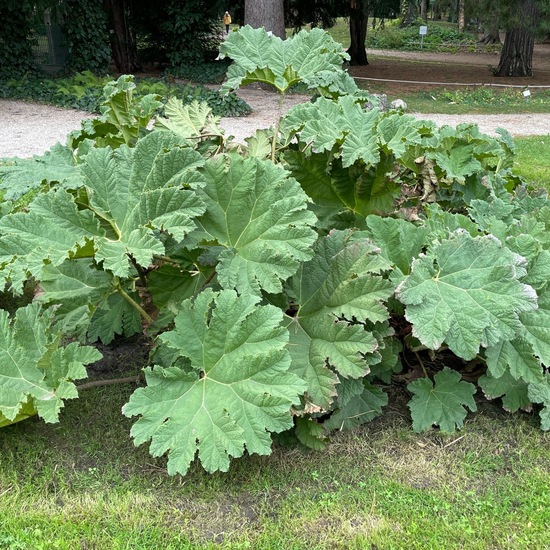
(226, 21)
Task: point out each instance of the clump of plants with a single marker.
(393, 37)
(209, 72)
(483, 96)
(285, 284)
(84, 91)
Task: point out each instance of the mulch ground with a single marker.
(448, 68)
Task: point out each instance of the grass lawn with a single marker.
(483, 101)
(82, 484)
(533, 160)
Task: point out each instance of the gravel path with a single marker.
(31, 129)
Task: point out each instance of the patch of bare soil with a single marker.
(412, 71)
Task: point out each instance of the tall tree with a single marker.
(269, 14)
(461, 16)
(424, 10)
(122, 35)
(516, 58)
(489, 15)
(358, 22)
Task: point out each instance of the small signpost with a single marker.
(423, 32)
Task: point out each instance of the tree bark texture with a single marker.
(269, 14)
(358, 23)
(516, 58)
(424, 10)
(491, 35)
(123, 40)
(461, 16)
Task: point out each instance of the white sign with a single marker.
(423, 30)
(526, 93)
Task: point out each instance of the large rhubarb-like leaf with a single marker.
(536, 326)
(139, 190)
(313, 58)
(463, 151)
(53, 229)
(260, 216)
(191, 120)
(513, 392)
(346, 156)
(123, 119)
(400, 241)
(442, 403)
(58, 165)
(132, 193)
(360, 409)
(466, 293)
(341, 283)
(361, 134)
(236, 391)
(36, 374)
(515, 357)
(540, 393)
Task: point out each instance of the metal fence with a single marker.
(50, 45)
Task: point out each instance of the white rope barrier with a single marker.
(488, 84)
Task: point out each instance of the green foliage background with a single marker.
(85, 23)
(15, 48)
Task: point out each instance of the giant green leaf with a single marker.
(113, 316)
(515, 357)
(360, 409)
(325, 123)
(237, 390)
(400, 241)
(399, 132)
(36, 374)
(58, 165)
(540, 393)
(442, 403)
(133, 193)
(465, 292)
(76, 288)
(313, 58)
(122, 119)
(536, 325)
(512, 391)
(354, 151)
(193, 120)
(463, 150)
(52, 230)
(342, 282)
(259, 214)
(138, 190)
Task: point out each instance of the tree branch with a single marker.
(109, 382)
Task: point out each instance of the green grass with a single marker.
(533, 160)
(391, 35)
(466, 100)
(481, 100)
(82, 484)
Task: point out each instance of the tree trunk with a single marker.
(123, 40)
(358, 22)
(516, 58)
(461, 17)
(408, 12)
(424, 10)
(491, 34)
(269, 14)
